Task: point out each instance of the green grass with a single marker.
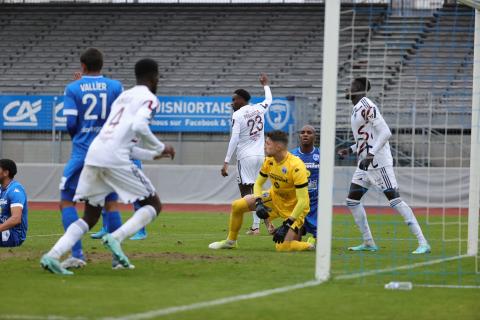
(175, 267)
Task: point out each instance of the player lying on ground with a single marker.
(287, 198)
(87, 105)
(109, 168)
(13, 204)
(375, 167)
(248, 140)
(310, 155)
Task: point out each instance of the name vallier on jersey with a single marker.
(93, 86)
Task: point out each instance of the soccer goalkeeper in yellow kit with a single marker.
(287, 198)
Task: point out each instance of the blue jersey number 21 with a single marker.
(92, 100)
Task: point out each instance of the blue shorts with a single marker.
(9, 238)
(69, 182)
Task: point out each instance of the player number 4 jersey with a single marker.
(368, 126)
(113, 146)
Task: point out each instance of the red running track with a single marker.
(177, 207)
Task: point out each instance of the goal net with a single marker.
(420, 63)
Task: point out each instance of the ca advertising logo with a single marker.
(22, 113)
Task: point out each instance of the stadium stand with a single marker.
(202, 49)
(214, 49)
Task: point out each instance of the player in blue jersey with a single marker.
(13, 204)
(310, 155)
(87, 105)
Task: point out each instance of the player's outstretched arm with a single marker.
(264, 81)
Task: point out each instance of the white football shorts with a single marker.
(129, 182)
(248, 169)
(383, 178)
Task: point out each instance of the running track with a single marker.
(215, 208)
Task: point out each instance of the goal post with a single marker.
(474, 188)
(327, 138)
(427, 105)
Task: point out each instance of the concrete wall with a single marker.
(38, 147)
(210, 149)
(420, 187)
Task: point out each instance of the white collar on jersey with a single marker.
(300, 150)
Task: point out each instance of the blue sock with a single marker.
(69, 216)
(104, 220)
(136, 206)
(114, 221)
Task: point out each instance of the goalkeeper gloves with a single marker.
(261, 210)
(365, 163)
(281, 232)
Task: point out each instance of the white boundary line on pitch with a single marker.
(446, 286)
(44, 235)
(404, 267)
(200, 305)
(50, 317)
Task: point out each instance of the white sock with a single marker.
(256, 221)
(73, 233)
(140, 219)
(407, 214)
(360, 217)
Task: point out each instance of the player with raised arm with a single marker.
(287, 198)
(248, 140)
(375, 167)
(109, 168)
(13, 207)
(87, 105)
(310, 155)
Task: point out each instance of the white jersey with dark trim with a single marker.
(126, 126)
(248, 129)
(369, 128)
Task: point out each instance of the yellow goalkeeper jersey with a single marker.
(286, 177)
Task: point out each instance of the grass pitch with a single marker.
(174, 267)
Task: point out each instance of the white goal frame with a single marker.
(327, 140)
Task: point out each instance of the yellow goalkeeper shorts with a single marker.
(279, 210)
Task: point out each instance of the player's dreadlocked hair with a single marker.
(365, 82)
(93, 59)
(278, 136)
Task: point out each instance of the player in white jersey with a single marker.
(375, 167)
(248, 140)
(109, 168)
